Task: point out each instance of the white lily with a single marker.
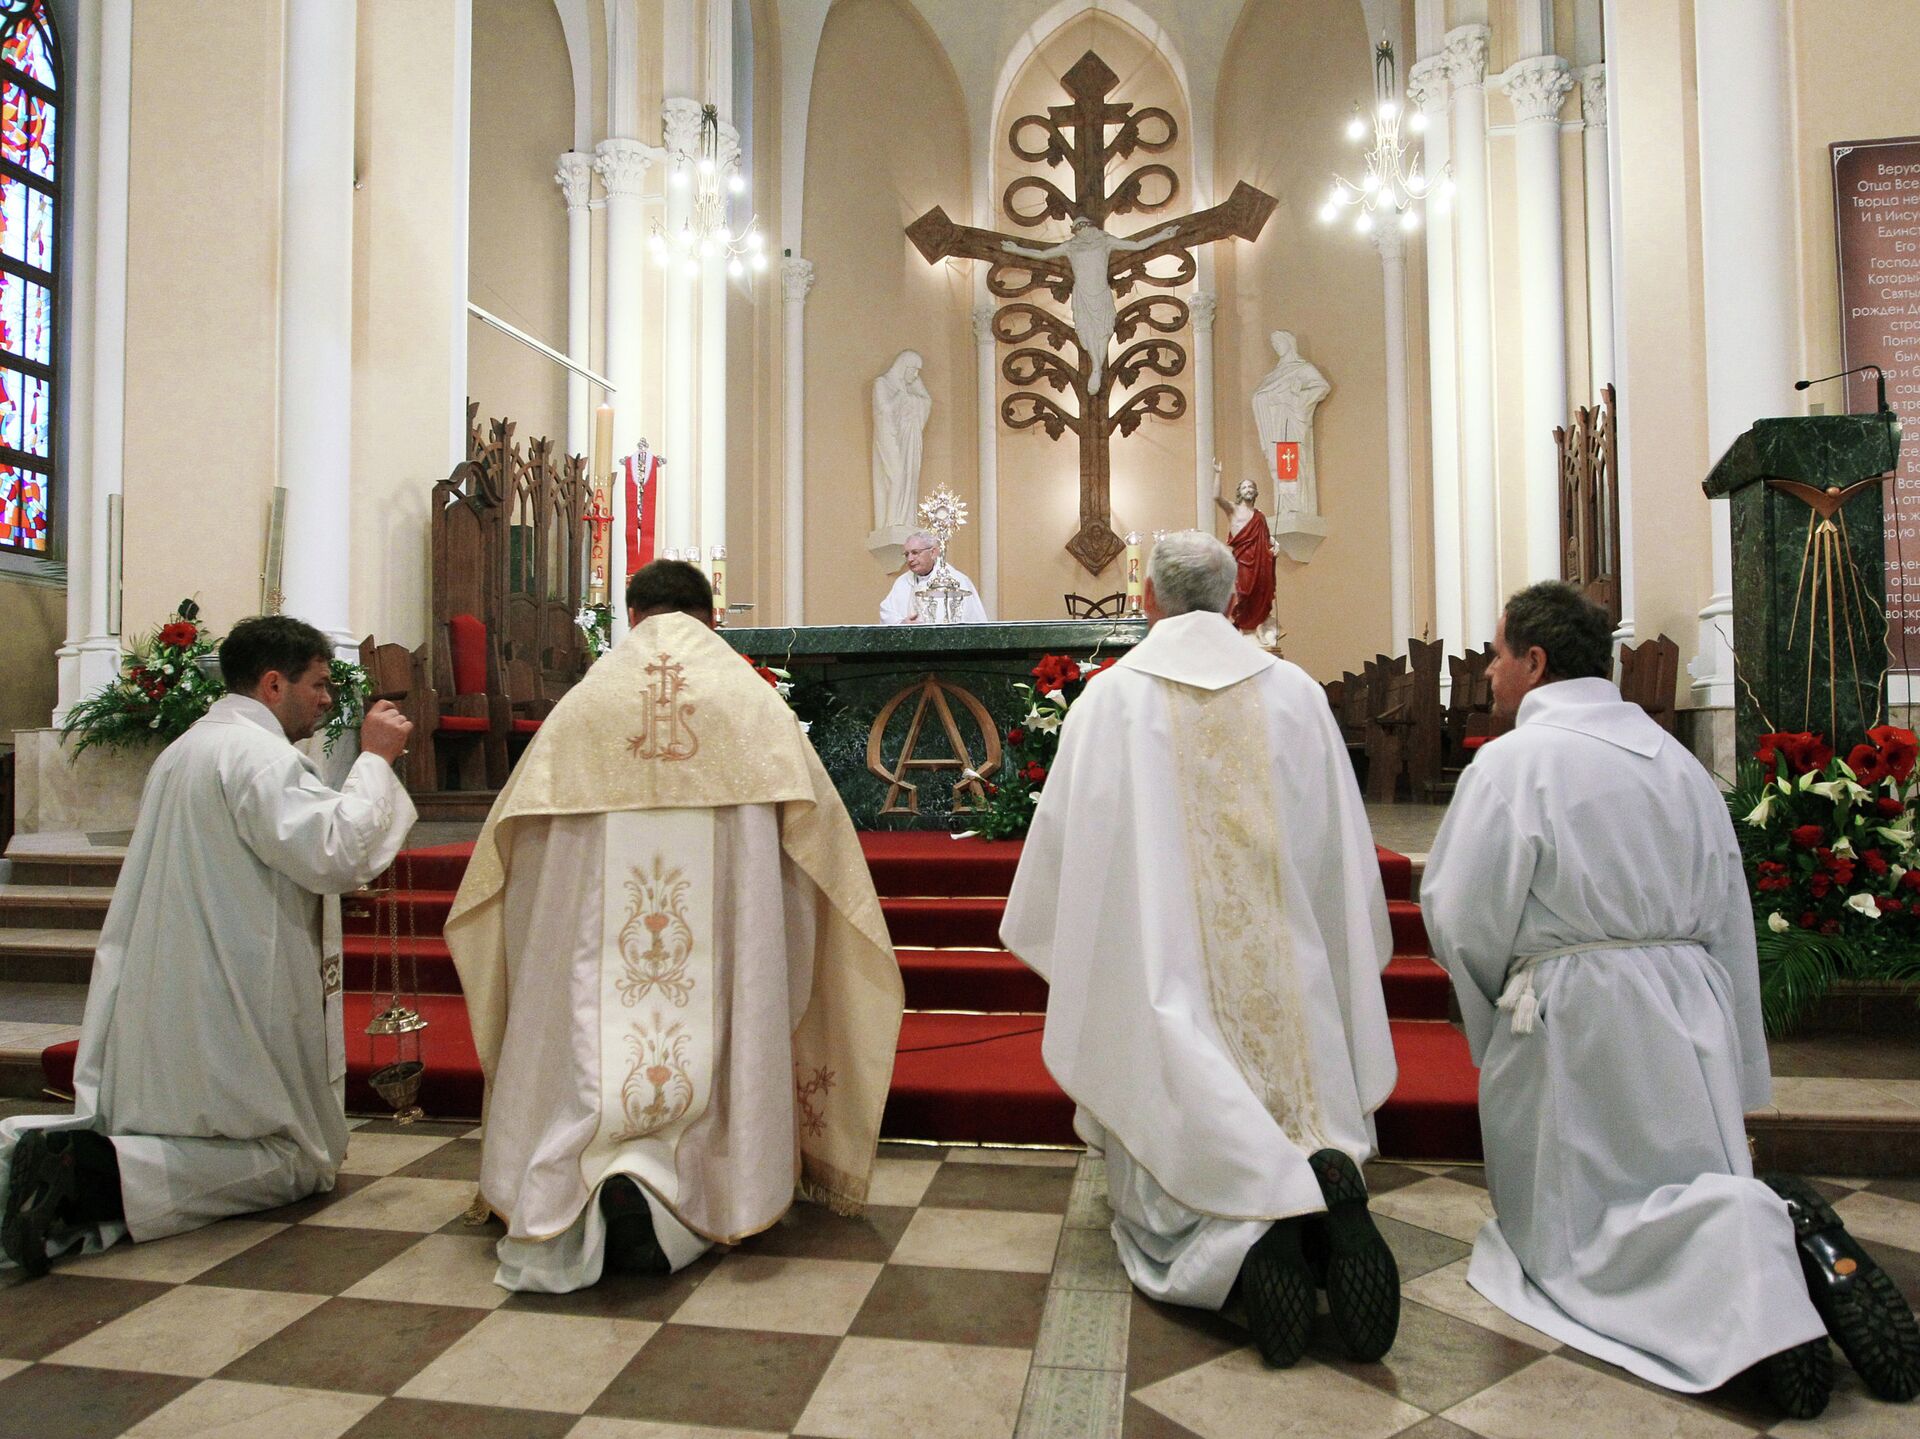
(1762, 812)
(1900, 836)
(1836, 789)
(1044, 722)
(1864, 904)
(1843, 847)
(1777, 922)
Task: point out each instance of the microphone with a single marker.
(1880, 378)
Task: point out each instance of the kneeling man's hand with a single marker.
(384, 731)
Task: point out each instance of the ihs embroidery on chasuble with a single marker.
(666, 731)
(1237, 860)
(656, 941)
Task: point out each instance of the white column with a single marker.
(1391, 244)
(1202, 305)
(103, 60)
(1747, 265)
(680, 123)
(575, 179)
(710, 514)
(988, 387)
(1593, 112)
(796, 283)
(457, 240)
(1427, 88)
(1623, 633)
(1466, 58)
(316, 311)
(622, 165)
(1537, 87)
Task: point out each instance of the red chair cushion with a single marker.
(525, 726)
(1474, 741)
(467, 638)
(462, 724)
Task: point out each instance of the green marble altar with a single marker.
(939, 698)
(1809, 573)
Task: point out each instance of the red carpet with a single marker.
(974, 1075)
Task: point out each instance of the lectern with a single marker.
(1809, 573)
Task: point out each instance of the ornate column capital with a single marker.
(1427, 83)
(1466, 56)
(1202, 305)
(796, 280)
(983, 323)
(729, 148)
(680, 127)
(622, 164)
(1538, 87)
(1593, 96)
(1390, 241)
(575, 178)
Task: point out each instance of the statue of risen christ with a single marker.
(1086, 249)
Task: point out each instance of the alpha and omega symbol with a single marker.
(932, 693)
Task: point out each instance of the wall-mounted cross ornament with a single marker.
(1088, 269)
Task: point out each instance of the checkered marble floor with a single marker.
(978, 1296)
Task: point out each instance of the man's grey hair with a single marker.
(1191, 571)
(926, 535)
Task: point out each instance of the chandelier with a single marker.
(1394, 182)
(704, 235)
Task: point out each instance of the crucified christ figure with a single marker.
(1086, 249)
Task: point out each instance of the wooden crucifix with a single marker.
(1088, 269)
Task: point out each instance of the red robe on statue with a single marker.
(1253, 585)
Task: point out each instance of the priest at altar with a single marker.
(1201, 891)
(679, 980)
(904, 603)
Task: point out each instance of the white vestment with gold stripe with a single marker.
(1201, 892)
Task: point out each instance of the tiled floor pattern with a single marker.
(978, 1296)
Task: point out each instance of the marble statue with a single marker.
(901, 405)
(1254, 550)
(1086, 250)
(1283, 406)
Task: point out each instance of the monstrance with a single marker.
(398, 1080)
(941, 514)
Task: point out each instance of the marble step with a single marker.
(53, 906)
(47, 955)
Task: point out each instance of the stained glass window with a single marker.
(29, 282)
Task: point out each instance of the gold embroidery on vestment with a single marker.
(819, 1083)
(1235, 852)
(658, 1088)
(656, 941)
(666, 731)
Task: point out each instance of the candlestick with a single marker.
(1134, 584)
(719, 563)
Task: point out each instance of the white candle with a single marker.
(719, 564)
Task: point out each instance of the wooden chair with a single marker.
(1425, 740)
(399, 675)
(1469, 713)
(1389, 723)
(1113, 607)
(1649, 674)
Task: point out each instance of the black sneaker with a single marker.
(1277, 1287)
(1859, 1303)
(1800, 1379)
(43, 1179)
(1362, 1281)
(632, 1247)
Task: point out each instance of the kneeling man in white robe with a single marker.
(906, 603)
(212, 1061)
(1201, 892)
(1586, 894)
(681, 986)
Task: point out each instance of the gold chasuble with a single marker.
(664, 731)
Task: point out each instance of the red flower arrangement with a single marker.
(1058, 681)
(1832, 864)
(179, 634)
